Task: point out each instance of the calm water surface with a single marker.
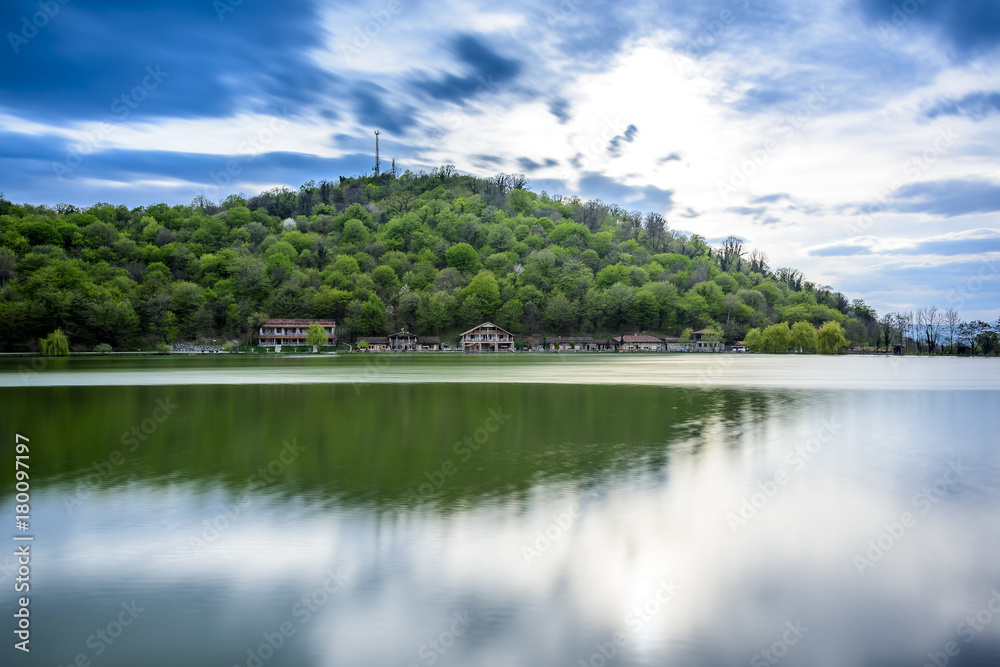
(524, 510)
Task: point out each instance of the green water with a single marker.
(524, 510)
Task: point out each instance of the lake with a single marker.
(506, 510)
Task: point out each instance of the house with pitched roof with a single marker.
(487, 337)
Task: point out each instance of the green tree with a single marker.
(831, 339)
(617, 302)
(753, 340)
(776, 338)
(559, 314)
(988, 341)
(463, 257)
(610, 275)
(803, 336)
(368, 318)
(316, 335)
(511, 316)
(484, 294)
(55, 344)
(645, 309)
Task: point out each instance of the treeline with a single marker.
(434, 253)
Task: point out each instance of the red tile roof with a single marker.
(292, 322)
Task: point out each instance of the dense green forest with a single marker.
(434, 253)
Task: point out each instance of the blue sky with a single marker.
(856, 140)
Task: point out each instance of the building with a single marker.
(640, 343)
(534, 343)
(292, 332)
(487, 337)
(706, 340)
(402, 341)
(673, 344)
(429, 343)
(373, 343)
(571, 344)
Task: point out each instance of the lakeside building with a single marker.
(572, 344)
(402, 341)
(374, 343)
(487, 337)
(705, 340)
(639, 343)
(291, 331)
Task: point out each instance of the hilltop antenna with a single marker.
(378, 162)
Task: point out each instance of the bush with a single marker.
(102, 348)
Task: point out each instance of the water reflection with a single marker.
(551, 542)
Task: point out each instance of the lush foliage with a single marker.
(434, 253)
(316, 334)
(55, 344)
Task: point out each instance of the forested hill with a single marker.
(433, 253)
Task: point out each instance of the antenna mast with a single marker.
(378, 162)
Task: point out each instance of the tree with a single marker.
(559, 314)
(731, 255)
(462, 257)
(316, 335)
(929, 321)
(753, 339)
(951, 320)
(831, 339)
(484, 296)
(803, 336)
(776, 338)
(368, 318)
(55, 344)
(254, 322)
(988, 341)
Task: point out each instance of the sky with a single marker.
(856, 140)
